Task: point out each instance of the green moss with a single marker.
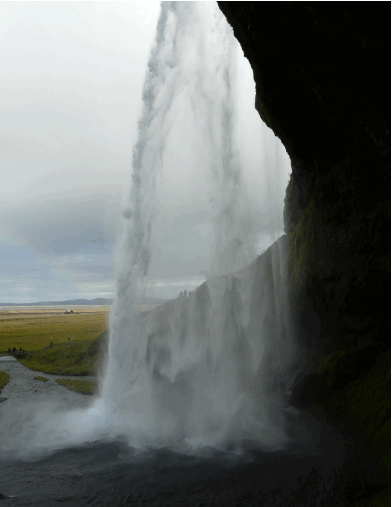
(42, 379)
(79, 386)
(4, 379)
(289, 193)
(368, 405)
(299, 227)
(363, 403)
(328, 363)
(352, 388)
(382, 499)
(301, 256)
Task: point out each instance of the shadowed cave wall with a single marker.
(322, 74)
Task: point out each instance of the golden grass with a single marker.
(42, 379)
(79, 386)
(35, 329)
(4, 378)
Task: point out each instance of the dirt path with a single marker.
(34, 412)
(23, 388)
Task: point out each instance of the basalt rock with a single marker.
(322, 74)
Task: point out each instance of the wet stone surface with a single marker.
(113, 474)
(22, 387)
(310, 472)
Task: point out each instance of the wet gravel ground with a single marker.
(320, 467)
(23, 388)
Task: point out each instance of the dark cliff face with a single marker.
(322, 73)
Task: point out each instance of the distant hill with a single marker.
(88, 302)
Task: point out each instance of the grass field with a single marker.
(42, 379)
(35, 329)
(76, 358)
(79, 386)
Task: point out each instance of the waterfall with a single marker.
(212, 368)
(204, 369)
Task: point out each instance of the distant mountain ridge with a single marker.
(89, 302)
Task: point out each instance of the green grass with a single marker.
(79, 386)
(4, 378)
(327, 364)
(76, 358)
(35, 330)
(42, 379)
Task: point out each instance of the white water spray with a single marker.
(211, 368)
(189, 372)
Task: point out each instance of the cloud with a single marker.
(64, 226)
(70, 102)
(25, 276)
(58, 248)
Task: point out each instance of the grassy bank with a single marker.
(79, 386)
(75, 358)
(34, 330)
(4, 378)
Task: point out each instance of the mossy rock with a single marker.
(382, 499)
(42, 379)
(353, 388)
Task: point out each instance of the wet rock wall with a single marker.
(322, 74)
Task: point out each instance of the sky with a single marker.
(70, 101)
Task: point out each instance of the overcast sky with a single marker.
(70, 99)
